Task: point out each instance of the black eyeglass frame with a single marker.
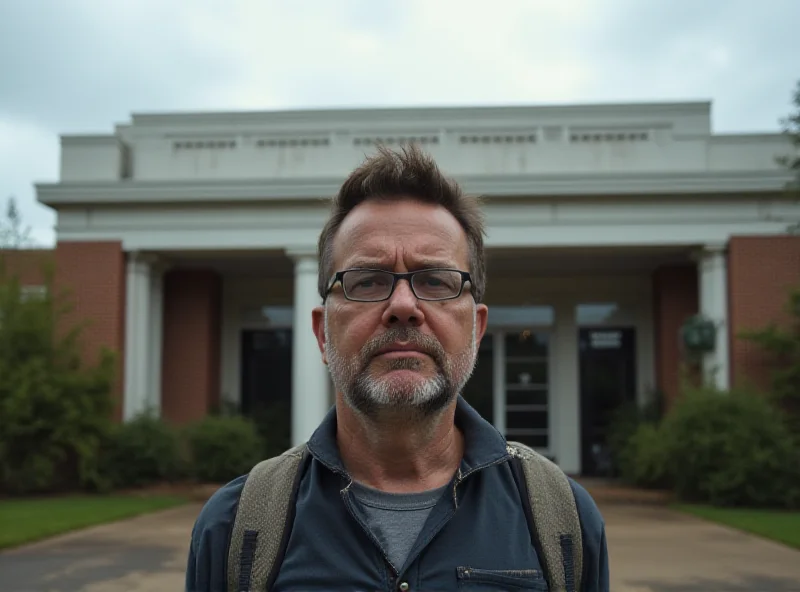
(338, 277)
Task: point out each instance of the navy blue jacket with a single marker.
(476, 537)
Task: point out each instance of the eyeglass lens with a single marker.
(371, 285)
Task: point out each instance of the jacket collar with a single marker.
(483, 444)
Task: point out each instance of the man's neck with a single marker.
(396, 455)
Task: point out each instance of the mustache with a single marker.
(424, 343)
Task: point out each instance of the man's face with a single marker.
(440, 339)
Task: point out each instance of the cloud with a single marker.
(84, 65)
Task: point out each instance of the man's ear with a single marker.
(481, 322)
(318, 324)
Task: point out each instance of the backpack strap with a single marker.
(553, 521)
(263, 520)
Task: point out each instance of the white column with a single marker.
(499, 386)
(156, 337)
(564, 396)
(137, 336)
(310, 398)
(712, 268)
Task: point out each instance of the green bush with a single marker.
(143, 451)
(274, 424)
(644, 460)
(781, 343)
(222, 448)
(625, 422)
(54, 412)
(730, 449)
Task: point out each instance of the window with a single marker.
(527, 387)
(28, 293)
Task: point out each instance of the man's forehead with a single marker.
(381, 232)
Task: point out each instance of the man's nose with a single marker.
(403, 307)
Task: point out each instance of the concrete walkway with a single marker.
(144, 554)
(652, 550)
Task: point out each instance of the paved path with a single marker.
(652, 550)
(144, 554)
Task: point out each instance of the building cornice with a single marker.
(90, 140)
(642, 185)
(431, 114)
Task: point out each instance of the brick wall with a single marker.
(761, 270)
(93, 275)
(191, 358)
(28, 265)
(676, 297)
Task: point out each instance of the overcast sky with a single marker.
(80, 66)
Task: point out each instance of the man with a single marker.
(403, 486)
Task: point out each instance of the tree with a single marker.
(55, 411)
(791, 127)
(781, 341)
(13, 234)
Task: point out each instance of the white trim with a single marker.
(518, 223)
(347, 118)
(137, 337)
(713, 273)
(90, 140)
(685, 234)
(499, 382)
(159, 192)
(156, 338)
(310, 383)
(645, 349)
(566, 436)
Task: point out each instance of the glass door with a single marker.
(526, 387)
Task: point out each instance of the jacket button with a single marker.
(404, 587)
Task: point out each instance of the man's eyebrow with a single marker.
(418, 264)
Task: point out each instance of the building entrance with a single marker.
(607, 381)
(267, 384)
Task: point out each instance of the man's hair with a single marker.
(405, 174)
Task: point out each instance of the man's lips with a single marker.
(401, 351)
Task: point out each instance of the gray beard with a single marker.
(373, 397)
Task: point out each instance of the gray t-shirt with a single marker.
(396, 519)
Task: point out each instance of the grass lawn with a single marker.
(28, 520)
(783, 527)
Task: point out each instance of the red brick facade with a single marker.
(761, 271)
(93, 274)
(27, 265)
(191, 354)
(676, 297)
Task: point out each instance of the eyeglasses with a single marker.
(375, 285)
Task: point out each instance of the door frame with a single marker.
(633, 328)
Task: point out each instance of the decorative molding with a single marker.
(624, 184)
(204, 144)
(498, 138)
(293, 142)
(390, 139)
(578, 136)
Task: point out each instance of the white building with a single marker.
(189, 240)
